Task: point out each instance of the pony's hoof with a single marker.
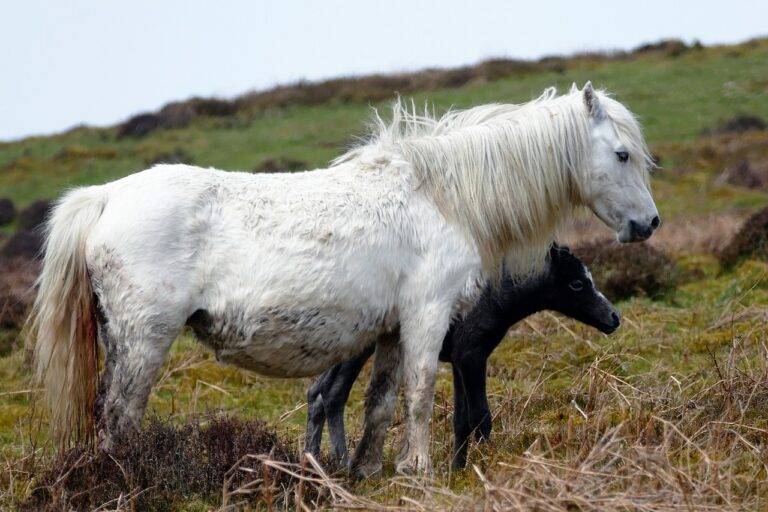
(414, 464)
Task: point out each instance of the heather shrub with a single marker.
(7, 211)
(738, 124)
(17, 277)
(751, 241)
(35, 215)
(626, 270)
(161, 467)
(280, 164)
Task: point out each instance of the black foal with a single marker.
(565, 285)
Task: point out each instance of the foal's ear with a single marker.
(557, 251)
(592, 102)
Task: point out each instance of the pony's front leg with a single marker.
(422, 337)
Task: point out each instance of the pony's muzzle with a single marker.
(638, 231)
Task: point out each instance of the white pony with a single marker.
(289, 274)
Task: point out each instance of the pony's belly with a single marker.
(296, 344)
(293, 359)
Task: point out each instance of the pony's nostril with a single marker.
(655, 222)
(640, 231)
(616, 318)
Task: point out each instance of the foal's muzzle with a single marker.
(611, 325)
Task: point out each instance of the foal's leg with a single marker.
(422, 337)
(379, 407)
(480, 413)
(471, 411)
(461, 428)
(336, 400)
(326, 398)
(316, 411)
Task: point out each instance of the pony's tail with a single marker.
(62, 324)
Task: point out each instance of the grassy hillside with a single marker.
(676, 97)
(670, 413)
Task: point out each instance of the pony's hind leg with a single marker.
(379, 407)
(105, 379)
(135, 364)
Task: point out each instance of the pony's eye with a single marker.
(576, 285)
(623, 156)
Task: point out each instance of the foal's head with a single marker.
(569, 289)
(616, 187)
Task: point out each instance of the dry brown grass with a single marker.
(674, 446)
(645, 443)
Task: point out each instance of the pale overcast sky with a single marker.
(99, 61)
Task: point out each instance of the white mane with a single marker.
(507, 174)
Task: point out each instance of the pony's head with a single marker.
(569, 289)
(616, 187)
(508, 175)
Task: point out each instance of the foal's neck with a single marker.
(522, 299)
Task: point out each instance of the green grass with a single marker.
(555, 385)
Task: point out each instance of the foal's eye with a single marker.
(623, 156)
(576, 285)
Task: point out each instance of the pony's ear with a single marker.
(592, 102)
(574, 87)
